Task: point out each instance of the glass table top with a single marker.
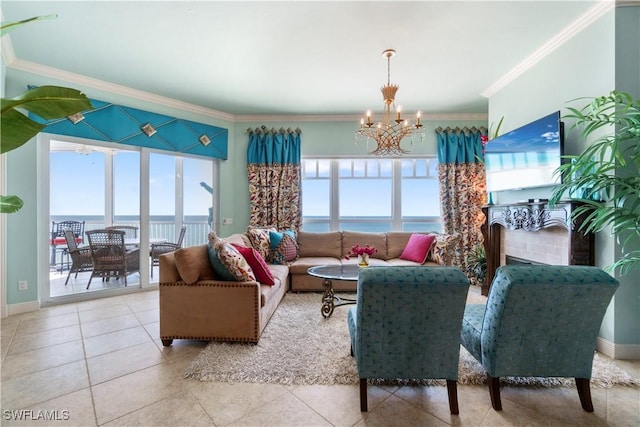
(335, 272)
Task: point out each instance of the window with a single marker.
(370, 194)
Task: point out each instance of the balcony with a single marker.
(160, 227)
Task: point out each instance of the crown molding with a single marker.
(593, 14)
(351, 117)
(8, 55)
(56, 73)
(627, 3)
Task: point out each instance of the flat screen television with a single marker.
(526, 157)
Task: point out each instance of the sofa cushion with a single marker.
(377, 240)
(259, 238)
(418, 247)
(234, 262)
(396, 242)
(238, 239)
(403, 263)
(193, 264)
(302, 264)
(257, 264)
(284, 248)
(280, 275)
(320, 244)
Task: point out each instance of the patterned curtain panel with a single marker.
(275, 193)
(462, 186)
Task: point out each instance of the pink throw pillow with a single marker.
(257, 264)
(418, 248)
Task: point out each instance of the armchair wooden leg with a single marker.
(584, 392)
(494, 392)
(167, 342)
(452, 390)
(363, 395)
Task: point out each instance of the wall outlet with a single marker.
(227, 221)
(22, 285)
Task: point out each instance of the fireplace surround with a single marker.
(536, 232)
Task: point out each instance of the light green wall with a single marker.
(594, 62)
(627, 78)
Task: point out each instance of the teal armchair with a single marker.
(406, 325)
(539, 321)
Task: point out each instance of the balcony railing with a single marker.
(196, 234)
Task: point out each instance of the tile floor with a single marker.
(101, 363)
(78, 285)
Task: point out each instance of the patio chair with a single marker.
(539, 321)
(110, 256)
(58, 241)
(158, 249)
(406, 325)
(130, 231)
(80, 256)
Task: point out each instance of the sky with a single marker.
(77, 183)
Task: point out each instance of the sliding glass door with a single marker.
(101, 185)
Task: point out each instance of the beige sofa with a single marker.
(194, 304)
(331, 248)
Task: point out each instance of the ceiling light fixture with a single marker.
(389, 132)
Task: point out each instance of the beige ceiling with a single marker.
(282, 58)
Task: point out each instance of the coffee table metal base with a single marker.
(330, 300)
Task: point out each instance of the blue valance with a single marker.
(274, 146)
(460, 145)
(125, 125)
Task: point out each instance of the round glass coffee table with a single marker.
(328, 273)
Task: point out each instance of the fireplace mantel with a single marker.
(532, 217)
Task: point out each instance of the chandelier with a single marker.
(390, 132)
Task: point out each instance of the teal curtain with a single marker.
(273, 147)
(462, 187)
(460, 145)
(273, 166)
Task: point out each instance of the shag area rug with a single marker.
(299, 346)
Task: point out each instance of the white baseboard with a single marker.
(23, 307)
(618, 351)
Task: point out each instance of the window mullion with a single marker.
(397, 194)
(334, 207)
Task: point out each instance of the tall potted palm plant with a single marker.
(605, 177)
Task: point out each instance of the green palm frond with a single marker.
(10, 26)
(605, 177)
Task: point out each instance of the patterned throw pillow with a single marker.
(234, 262)
(218, 266)
(258, 265)
(259, 238)
(442, 251)
(284, 248)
